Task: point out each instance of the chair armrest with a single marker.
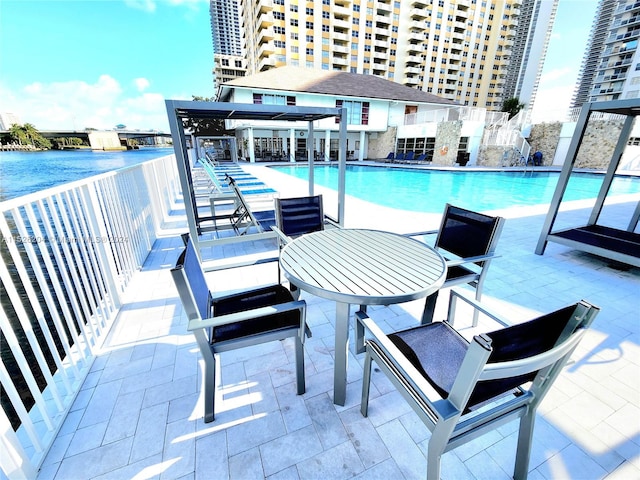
(462, 260)
(456, 294)
(213, 322)
(439, 408)
(282, 237)
(420, 234)
(331, 221)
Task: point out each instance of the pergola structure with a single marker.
(180, 110)
(618, 244)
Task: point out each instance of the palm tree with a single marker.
(513, 106)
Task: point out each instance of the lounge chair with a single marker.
(462, 390)
(399, 157)
(390, 157)
(468, 241)
(409, 156)
(421, 158)
(235, 321)
(243, 217)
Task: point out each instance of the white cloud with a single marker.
(558, 74)
(144, 5)
(78, 105)
(552, 104)
(151, 5)
(141, 84)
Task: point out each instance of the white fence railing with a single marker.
(67, 255)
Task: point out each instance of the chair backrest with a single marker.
(300, 215)
(191, 283)
(497, 362)
(467, 233)
(540, 344)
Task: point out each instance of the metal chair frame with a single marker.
(448, 418)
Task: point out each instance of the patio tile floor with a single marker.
(139, 414)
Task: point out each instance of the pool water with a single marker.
(429, 190)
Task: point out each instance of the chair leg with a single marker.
(209, 388)
(300, 381)
(366, 385)
(523, 452)
(360, 332)
(429, 308)
(437, 443)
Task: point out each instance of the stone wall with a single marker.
(447, 142)
(595, 151)
(544, 137)
(598, 144)
(382, 143)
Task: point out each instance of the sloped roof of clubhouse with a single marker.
(336, 83)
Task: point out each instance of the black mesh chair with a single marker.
(297, 216)
(468, 241)
(461, 390)
(235, 321)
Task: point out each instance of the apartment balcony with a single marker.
(265, 35)
(463, 4)
(266, 63)
(418, 14)
(339, 23)
(458, 35)
(381, 43)
(384, 8)
(265, 20)
(266, 49)
(453, 57)
(417, 26)
(382, 31)
(414, 48)
(341, 12)
(341, 49)
(265, 6)
(381, 55)
(506, 42)
(411, 81)
(342, 61)
(414, 60)
(343, 37)
(420, 3)
(382, 20)
(415, 37)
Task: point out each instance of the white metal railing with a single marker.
(68, 253)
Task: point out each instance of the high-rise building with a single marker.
(475, 52)
(529, 49)
(611, 66)
(228, 55)
(7, 119)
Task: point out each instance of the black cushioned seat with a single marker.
(437, 351)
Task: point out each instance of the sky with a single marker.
(76, 64)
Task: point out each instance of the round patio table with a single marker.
(363, 267)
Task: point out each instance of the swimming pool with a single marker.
(429, 190)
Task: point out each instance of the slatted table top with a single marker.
(366, 267)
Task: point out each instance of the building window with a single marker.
(357, 112)
(268, 99)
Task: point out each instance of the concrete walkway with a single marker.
(139, 414)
